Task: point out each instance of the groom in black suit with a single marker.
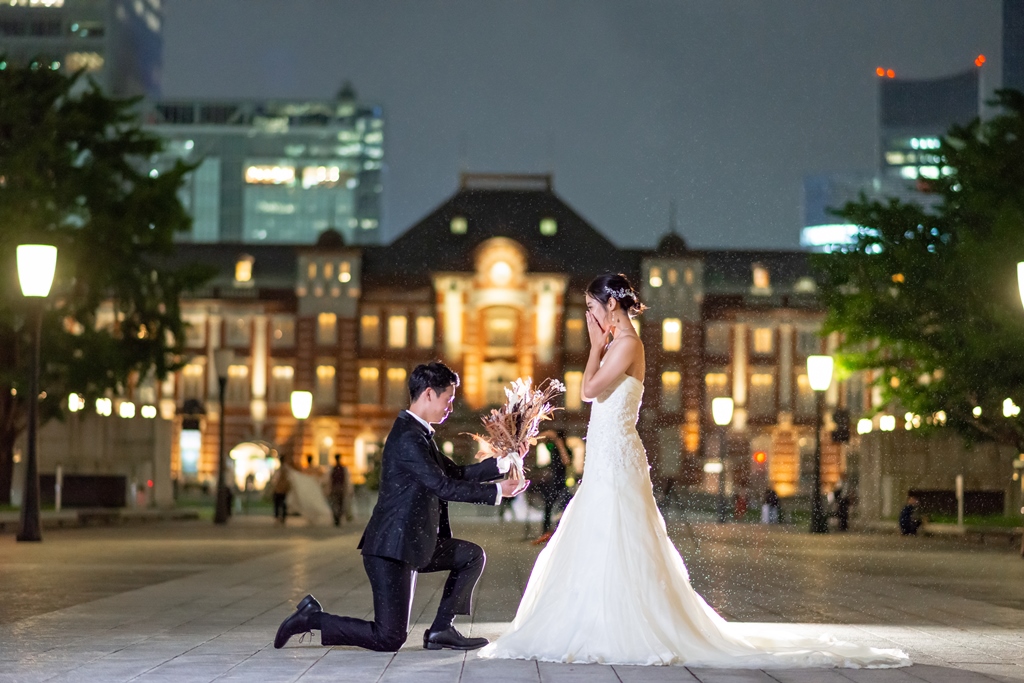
(409, 532)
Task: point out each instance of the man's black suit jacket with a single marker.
(416, 483)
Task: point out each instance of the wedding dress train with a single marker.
(611, 588)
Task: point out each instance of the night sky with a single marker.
(719, 105)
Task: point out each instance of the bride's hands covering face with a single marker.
(598, 335)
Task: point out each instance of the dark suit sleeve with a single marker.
(481, 471)
(415, 458)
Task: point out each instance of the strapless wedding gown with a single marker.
(611, 588)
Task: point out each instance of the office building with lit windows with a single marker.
(913, 116)
(117, 42)
(279, 172)
(492, 282)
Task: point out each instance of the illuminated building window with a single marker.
(282, 332)
(762, 281)
(192, 385)
(671, 334)
(282, 382)
(325, 176)
(671, 390)
(655, 277)
(270, 175)
(195, 330)
(501, 274)
(369, 331)
(716, 384)
(369, 385)
(344, 272)
(548, 226)
(397, 332)
(398, 389)
(716, 339)
(239, 330)
(89, 61)
(761, 394)
(573, 390)
(574, 336)
(688, 276)
(424, 332)
(673, 276)
(459, 225)
(243, 269)
(311, 271)
(328, 270)
(500, 330)
(327, 329)
(237, 390)
(325, 394)
(764, 340)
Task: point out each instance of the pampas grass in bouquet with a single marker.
(514, 427)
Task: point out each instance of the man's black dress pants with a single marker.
(393, 583)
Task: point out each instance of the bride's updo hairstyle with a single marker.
(616, 286)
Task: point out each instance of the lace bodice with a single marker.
(613, 445)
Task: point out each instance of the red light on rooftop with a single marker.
(760, 457)
(979, 60)
(149, 483)
(890, 73)
(880, 71)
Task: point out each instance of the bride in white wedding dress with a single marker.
(610, 587)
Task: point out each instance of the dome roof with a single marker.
(330, 239)
(672, 244)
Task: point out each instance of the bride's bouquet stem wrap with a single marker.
(514, 427)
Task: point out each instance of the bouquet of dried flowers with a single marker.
(513, 428)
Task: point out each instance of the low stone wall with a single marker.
(890, 464)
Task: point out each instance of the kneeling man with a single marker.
(409, 531)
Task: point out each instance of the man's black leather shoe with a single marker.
(297, 622)
(450, 639)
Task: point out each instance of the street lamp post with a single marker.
(819, 375)
(302, 405)
(721, 411)
(222, 359)
(36, 265)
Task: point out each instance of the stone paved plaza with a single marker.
(184, 601)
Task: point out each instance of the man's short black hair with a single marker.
(436, 376)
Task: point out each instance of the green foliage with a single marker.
(929, 297)
(74, 173)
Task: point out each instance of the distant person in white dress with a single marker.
(610, 587)
(306, 495)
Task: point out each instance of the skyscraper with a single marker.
(276, 172)
(117, 42)
(912, 117)
(914, 114)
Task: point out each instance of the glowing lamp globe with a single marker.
(1020, 280)
(819, 372)
(36, 265)
(302, 404)
(721, 410)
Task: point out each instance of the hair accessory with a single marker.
(622, 293)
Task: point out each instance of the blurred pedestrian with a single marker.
(340, 486)
(771, 508)
(842, 508)
(281, 485)
(910, 521)
(552, 485)
(739, 506)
